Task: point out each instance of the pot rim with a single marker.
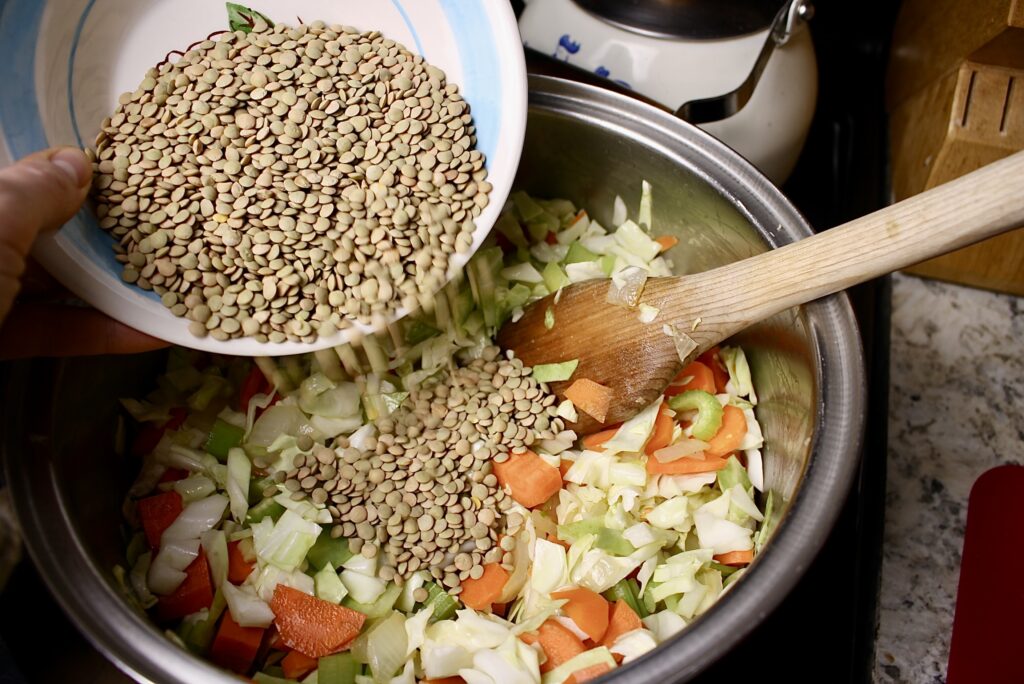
(140, 649)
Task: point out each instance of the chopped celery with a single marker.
(608, 264)
(266, 508)
(136, 547)
(555, 372)
(627, 590)
(578, 254)
(648, 602)
(508, 226)
(483, 269)
(572, 532)
(554, 277)
(264, 678)
(732, 474)
(542, 225)
(770, 521)
(419, 331)
(526, 206)
(442, 602)
(201, 635)
(340, 668)
(726, 570)
(256, 487)
(328, 550)
(613, 542)
(223, 437)
(328, 585)
(709, 411)
(561, 208)
(379, 608)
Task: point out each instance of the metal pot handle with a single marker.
(723, 106)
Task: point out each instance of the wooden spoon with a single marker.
(638, 360)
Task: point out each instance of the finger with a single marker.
(41, 192)
(37, 329)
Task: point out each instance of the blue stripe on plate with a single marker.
(481, 73)
(19, 111)
(410, 26)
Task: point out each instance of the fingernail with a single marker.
(74, 164)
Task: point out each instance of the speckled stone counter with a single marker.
(956, 410)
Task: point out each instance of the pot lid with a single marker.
(700, 19)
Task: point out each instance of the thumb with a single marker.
(40, 192)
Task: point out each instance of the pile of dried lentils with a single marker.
(424, 497)
(283, 183)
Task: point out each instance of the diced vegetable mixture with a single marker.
(417, 510)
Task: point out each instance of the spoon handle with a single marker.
(961, 212)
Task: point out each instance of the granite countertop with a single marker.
(956, 410)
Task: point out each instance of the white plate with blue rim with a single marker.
(64, 63)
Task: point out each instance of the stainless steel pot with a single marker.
(582, 143)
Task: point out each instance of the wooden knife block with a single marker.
(951, 114)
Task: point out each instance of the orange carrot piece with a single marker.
(559, 644)
(312, 626)
(712, 360)
(555, 540)
(737, 558)
(701, 378)
(590, 397)
(667, 242)
(730, 435)
(563, 467)
(297, 665)
(588, 673)
(588, 609)
(479, 594)
(234, 648)
(661, 436)
(157, 513)
(530, 479)
(595, 440)
(238, 568)
(685, 466)
(622, 619)
(191, 596)
(455, 679)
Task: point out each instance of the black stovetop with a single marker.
(824, 630)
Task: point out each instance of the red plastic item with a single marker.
(986, 626)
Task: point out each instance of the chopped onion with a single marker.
(247, 609)
(693, 448)
(626, 287)
(386, 646)
(167, 571)
(280, 419)
(197, 518)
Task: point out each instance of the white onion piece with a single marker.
(691, 448)
(198, 517)
(626, 287)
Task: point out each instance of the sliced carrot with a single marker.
(499, 608)
(157, 513)
(313, 626)
(446, 680)
(713, 360)
(590, 397)
(588, 673)
(173, 475)
(595, 440)
(563, 467)
(737, 558)
(700, 378)
(529, 638)
(558, 643)
(555, 540)
(667, 242)
(194, 593)
(530, 479)
(149, 435)
(622, 619)
(239, 569)
(588, 609)
(661, 436)
(479, 594)
(235, 648)
(297, 665)
(730, 435)
(551, 238)
(685, 466)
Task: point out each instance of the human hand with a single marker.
(40, 193)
